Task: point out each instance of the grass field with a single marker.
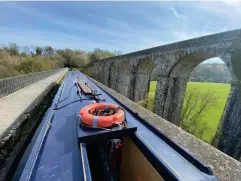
(213, 115)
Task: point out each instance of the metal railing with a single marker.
(12, 84)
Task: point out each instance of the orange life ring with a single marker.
(87, 117)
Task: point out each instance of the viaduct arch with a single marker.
(170, 66)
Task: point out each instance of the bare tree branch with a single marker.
(196, 105)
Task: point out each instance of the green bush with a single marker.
(13, 49)
(7, 70)
(35, 59)
(148, 102)
(29, 65)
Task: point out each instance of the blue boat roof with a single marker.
(56, 154)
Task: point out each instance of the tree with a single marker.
(39, 50)
(80, 60)
(99, 54)
(74, 58)
(48, 50)
(67, 55)
(13, 49)
(23, 54)
(215, 72)
(196, 104)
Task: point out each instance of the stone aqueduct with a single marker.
(170, 65)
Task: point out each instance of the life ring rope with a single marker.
(95, 122)
(97, 115)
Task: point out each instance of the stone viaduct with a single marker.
(170, 65)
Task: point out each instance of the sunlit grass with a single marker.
(210, 117)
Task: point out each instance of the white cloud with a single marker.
(233, 2)
(227, 9)
(176, 14)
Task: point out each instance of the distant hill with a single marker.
(214, 72)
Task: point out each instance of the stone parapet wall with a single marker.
(13, 84)
(229, 36)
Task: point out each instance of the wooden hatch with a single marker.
(84, 88)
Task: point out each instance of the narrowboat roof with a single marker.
(56, 154)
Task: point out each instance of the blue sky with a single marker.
(114, 26)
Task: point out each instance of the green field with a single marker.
(212, 116)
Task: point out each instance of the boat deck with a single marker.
(56, 154)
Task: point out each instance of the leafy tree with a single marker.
(74, 58)
(36, 64)
(39, 50)
(80, 61)
(14, 63)
(23, 54)
(99, 54)
(67, 55)
(48, 50)
(7, 69)
(13, 49)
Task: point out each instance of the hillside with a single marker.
(215, 72)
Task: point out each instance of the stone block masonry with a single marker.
(170, 65)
